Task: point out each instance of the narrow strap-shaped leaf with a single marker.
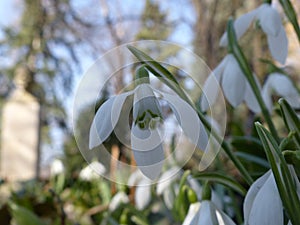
(282, 175)
(291, 15)
(222, 179)
(153, 66)
(252, 158)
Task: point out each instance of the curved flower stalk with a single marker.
(270, 22)
(92, 171)
(282, 86)
(234, 84)
(146, 141)
(263, 204)
(206, 212)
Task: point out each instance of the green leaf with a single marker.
(282, 175)
(152, 65)
(291, 15)
(247, 144)
(222, 179)
(290, 118)
(24, 216)
(253, 158)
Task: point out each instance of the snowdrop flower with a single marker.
(206, 213)
(146, 141)
(234, 84)
(282, 86)
(117, 200)
(57, 167)
(262, 194)
(142, 195)
(167, 185)
(270, 22)
(92, 171)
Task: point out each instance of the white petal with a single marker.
(118, 199)
(134, 178)
(211, 86)
(169, 197)
(252, 193)
(250, 98)
(284, 87)
(233, 82)
(191, 217)
(269, 20)
(278, 46)
(147, 150)
(188, 120)
(261, 212)
(266, 94)
(57, 167)
(166, 179)
(207, 214)
(106, 118)
(144, 99)
(98, 167)
(143, 194)
(223, 219)
(241, 25)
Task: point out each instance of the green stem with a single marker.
(241, 59)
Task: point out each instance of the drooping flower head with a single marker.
(235, 86)
(270, 22)
(146, 141)
(282, 86)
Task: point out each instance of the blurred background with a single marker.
(45, 48)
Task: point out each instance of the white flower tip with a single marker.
(152, 172)
(224, 40)
(93, 138)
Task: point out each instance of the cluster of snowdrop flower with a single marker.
(262, 204)
(146, 141)
(230, 77)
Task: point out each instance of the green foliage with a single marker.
(23, 216)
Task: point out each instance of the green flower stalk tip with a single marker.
(206, 191)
